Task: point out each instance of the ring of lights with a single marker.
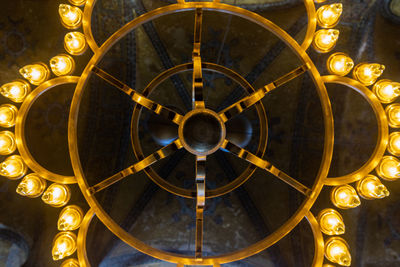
(269, 240)
(20, 130)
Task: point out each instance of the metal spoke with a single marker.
(197, 89)
(200, 203)
(265, 165)
(139, 98)
(137, 167)
(252, 99)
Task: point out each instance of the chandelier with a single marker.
(201, 131)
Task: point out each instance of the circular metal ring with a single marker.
(281, 231)
(20, 130)
(87, 25)
(383, 131)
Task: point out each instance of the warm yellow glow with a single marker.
(70, 218)
(393, 115)
(78, 2)
(75, 43)
(71, 16)
(331, 222)
(32, 186)
(329, 15)
(337, 251)
(7, 143)
(386, 90)
(36, 73)
(57, 195)
(328, 265)
(325, 40)
(16, 91)
(339, 64)
(62, 65)
(13, 167)
(371, 188)
(368, 73)
(345, 197)
(70, 263)
(64, 245)
(8, 115)
(389, 168)
(394, 144)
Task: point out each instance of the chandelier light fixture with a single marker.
(201, 131)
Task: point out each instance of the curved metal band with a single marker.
(20, 130)
(319, 245)
(212, 192)
(312, 24)
(383, 130)
(87, 25)
(281, 231)
(82, 237)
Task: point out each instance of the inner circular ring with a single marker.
(202, 132)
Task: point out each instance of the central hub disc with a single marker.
(202, 132)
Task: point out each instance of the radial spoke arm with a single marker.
(197, 89)
(139, 98)
(252, 99)
(137, 167)
(200, 203)
(263, 164)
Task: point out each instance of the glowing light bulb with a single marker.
(371, 187)
(386, 90)
(78, 2)
(367, 73)
(70, 263)
(36, 73)
(62, 65)
(337, 251)
(389, 168)
(394, 144)
(16, 91)
(328, 265)
(71, 16)
(56, 195)
(393, 115)
(70, 218)
(339, 64)
(325, 40)
(329, 15)
(64, 245)
(331, 222)
(75, 43)
(345, 197)
(8, 115)
(13, 167)
(7, 143)
(32, 186)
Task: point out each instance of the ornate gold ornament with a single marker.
(344, 189)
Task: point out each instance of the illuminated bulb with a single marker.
(8, 115)
(339, 64)
(36, 74)
(13, 167)
(337, 251)
(331, 222)
(75, 43)
(64, 245)
(328, 16)
(389, 168)
(32, 186)
(371, 188)
(7, 143)
(328, 265)
(386, 90)
(70, 263)
(70, 218)
(77, 2)
(62, 65)
(394, 144)
(367, 73)
(71, 16)
(393, 115)
(57, 195)
(325, 40)
(345, 197)
(16, 91)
